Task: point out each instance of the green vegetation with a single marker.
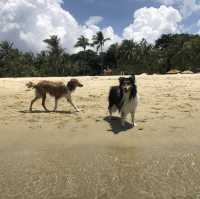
(171, 51)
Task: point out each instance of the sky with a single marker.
(28, 22)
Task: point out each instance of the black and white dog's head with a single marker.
(127, 86)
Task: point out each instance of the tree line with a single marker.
(170, 51)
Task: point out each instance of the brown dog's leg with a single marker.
(32, 102)
(56, 104)
(43, 102)
(70, 101)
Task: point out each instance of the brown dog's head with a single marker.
(73, 83)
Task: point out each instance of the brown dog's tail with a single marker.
(30, 85)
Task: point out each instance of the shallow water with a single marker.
(100, 172)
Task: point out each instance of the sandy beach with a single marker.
(68, 155)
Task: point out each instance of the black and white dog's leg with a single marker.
(110, 113)
(134, 110)
(133, 118)
(123, 118)
(111, 109)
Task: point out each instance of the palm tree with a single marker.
(55, 52)
(168, 46)
(128, 50)
(54, 45)
(5, 48)
(82, 42)
(99, 41)
(112, 55)
(128, 55)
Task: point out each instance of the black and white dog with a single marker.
(124, 98)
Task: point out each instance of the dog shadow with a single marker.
(115, 124)
(41, 111)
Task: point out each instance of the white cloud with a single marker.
(94, 20)
(198, 23)
(28, 22)
(169, 2)
(186, 7)
(109, 33)
(198, 26)
(189, 7)
(151, 23)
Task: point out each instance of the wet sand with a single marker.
(81, 155)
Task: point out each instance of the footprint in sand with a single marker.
(156, 108)
(32, 120)
(142, 120)
(155, 112)
(93, 96)
(79, 119)
(84, 126)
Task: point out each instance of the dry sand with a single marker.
(81, 155)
